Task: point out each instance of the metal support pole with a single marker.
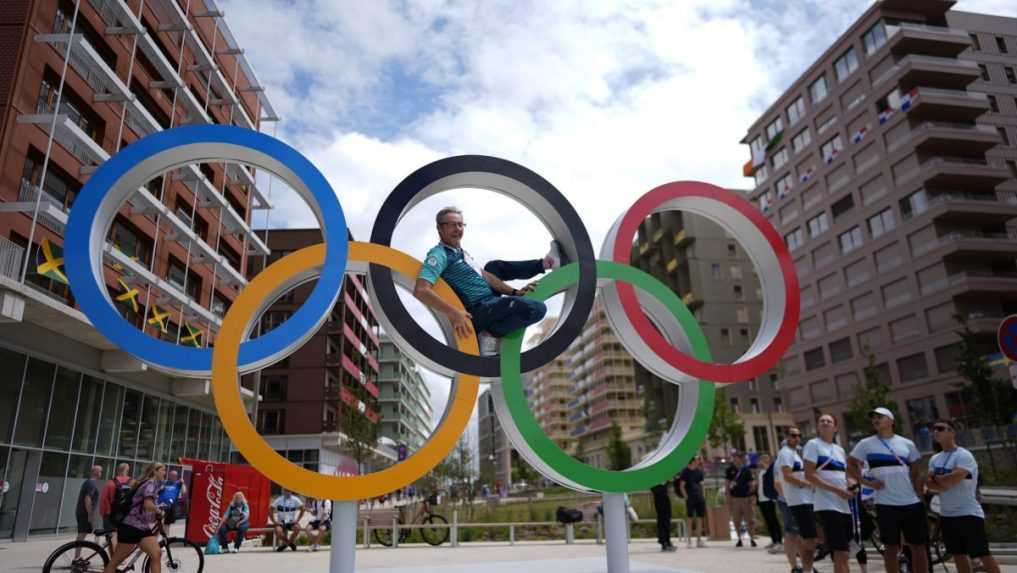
(600, 529)
(512, 534)
(570, 533)
(342, 556)
(395, 532)
(455, 528)
(616, 532)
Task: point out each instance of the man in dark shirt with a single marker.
(662, 507)
(88, 503)
(691, 484)
(740, 489)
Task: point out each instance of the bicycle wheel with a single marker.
(179, 554)
(435, 535)
(77, 557)
(383, 536)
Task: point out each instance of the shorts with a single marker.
(286, 526)
(695, 506)
(965, 535)
(838, 529)
(319, 524)
(805, 520)
(790, 527)
(132, 535)
(893, 520)
(84, 524)
(107, 525)
(170, 514)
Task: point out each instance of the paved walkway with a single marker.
(536, 557)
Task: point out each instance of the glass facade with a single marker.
(56, 422)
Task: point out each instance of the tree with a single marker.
(872, 393)
(992, 401)
(727, 427)
(619, 455)
(521, 470)
(361, 436)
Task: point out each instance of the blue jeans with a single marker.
(499, 314)
(224, 531)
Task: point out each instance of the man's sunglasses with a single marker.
(941, 428)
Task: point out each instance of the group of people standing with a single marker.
(818, 492)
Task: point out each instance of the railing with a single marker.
(924, 91)
(926, 28)
(10, 258)
(955, 125)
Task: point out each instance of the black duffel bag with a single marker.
(567, 515)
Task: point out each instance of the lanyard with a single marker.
(889, 449)
(946, 462)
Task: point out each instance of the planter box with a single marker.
(718, 523)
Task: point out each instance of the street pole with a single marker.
(342, 556)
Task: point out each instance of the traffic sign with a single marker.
(1007, 337)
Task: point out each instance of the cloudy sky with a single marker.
(604, 99)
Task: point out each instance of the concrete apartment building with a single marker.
(889, 167)
(549, 390)
(78, 81)
(330, 383)
(495, 450)
(702, 263)
(404, 401)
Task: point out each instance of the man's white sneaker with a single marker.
(314, 547)
(776, 549)
(488, 344)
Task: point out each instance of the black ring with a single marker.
(558, 213)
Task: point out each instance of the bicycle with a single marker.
(178, 554)
(432, 535)
(936, 548)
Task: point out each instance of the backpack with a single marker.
(566, 515)
(212, 547)
(123, 502)
(769, 489)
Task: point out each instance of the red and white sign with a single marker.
(211, 490)
(1007, 337)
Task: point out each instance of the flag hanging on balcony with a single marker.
(775, 141)
(908, 99)
(860, 134)
(159, 318)
(50, 268)
(128, 296)
(193, 336)
(748, 169)
(807, 175)
(885, 115)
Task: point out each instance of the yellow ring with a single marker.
(226, 390)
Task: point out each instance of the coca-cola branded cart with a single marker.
(211, 486)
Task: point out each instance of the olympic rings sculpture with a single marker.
(652, 323)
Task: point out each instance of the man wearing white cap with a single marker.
(898, 485)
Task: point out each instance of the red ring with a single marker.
(725, 373)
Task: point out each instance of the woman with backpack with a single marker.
(139, 517)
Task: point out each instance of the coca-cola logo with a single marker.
(213, 493)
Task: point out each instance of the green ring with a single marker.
(596, 479)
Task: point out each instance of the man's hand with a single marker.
(527, 289)
(844, 493)
(874, 484)
(462, 323)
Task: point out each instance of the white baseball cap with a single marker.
(882, 412)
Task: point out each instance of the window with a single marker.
(874, 38)
(818, 90)
(271, 422)
(776, 126)
(850, 240)
(715, 270)
(184, 278)
(130, 241)
(881, 223)
(739, 294)
(75, 108)
(732, 250)
(913, 367)
(743, 334)
(842, 206)
(794, 239)
(985, 71)
(725, 335)
(796, 110)
(779, 158)
(814, 359)
(840, 350)
(778, 405)
(801, 141)
(818, 225)
(761, 175)
(743, 314)
(765, 200)
(846, 64)
(220, 304)
(975, 42)
(273, 387)
(993, 104)
(1001, 44)
(831, 149)
(231, 255)
(914, 204)
(736, 272)
(784, 186)
(184, 213)
(735, 406)
(826, 124)
(59, 186)
(1011, 76)
(757, 145)
(754, 407)
(1013, 167)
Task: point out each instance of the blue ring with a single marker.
(97, 307)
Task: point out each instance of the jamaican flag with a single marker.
(159, 319)
(193, 336)
(129, 295)
(53, 261)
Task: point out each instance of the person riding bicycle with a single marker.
(895, 477)
(137, 527)
(953, 473)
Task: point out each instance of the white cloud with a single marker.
(604, 99)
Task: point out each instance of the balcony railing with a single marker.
(11, 254)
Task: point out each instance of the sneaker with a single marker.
(777, 549)
(488, 344)
(280, 549)
(739, 544)
(555, 257)
(700, 543)
(236, 550)
(753, 542)
(314, 547)
(293, 546)
(668, 549)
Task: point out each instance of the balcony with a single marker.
(118, 17)
(940, 104)
(941, 137)
(70, 137)
(918, 70)
(962, 172)
(984, 282)
(210, 197)
(135, 272)
(90, 66)
(971, 245)
(910, 38)
(244, 176)
(52, 212)
(975, 208)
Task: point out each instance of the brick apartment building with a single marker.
(330, 384)
(78, 81)
(889, 167)
(698, 260)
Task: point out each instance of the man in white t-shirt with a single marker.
(797, 494)
(825, 467)
(953, 473)
(898, 485)
(321, 521)
(285, 514)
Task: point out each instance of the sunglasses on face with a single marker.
(942, 428)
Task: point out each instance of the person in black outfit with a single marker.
(767, 495)
(87, 507)
(662, 505)
(690, 484)
(741, 490)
